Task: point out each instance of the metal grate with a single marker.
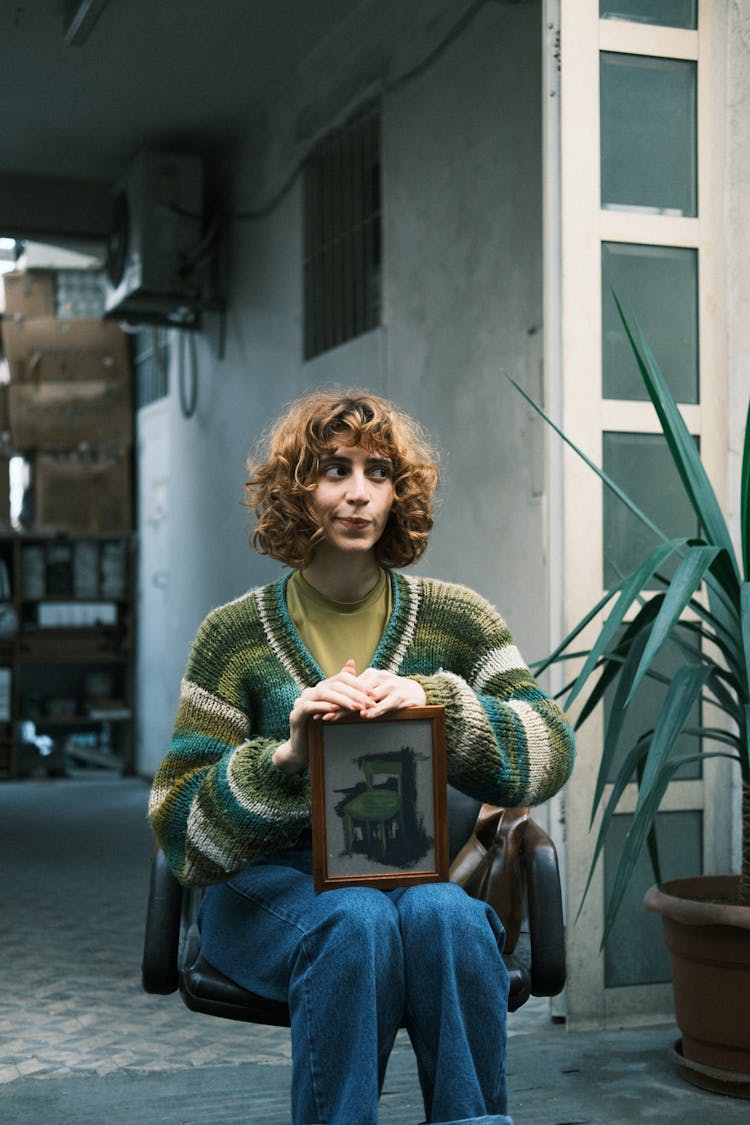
(342, 235)
(150, 364)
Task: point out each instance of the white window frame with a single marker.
(585, 416)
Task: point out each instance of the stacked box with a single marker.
(78, 492)
(43, 347)
(69, 408)
(67, 414)
(29, 293)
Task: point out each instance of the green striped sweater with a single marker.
(218, 801)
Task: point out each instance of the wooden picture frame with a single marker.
(379, 800)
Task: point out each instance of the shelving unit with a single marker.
(67, 561)
(66, 653)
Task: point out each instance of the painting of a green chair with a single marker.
(377, 812)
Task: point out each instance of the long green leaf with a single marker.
(612, 663)
(725, 699)
(643, 821)
(560, 652)
(683, 692)
(615, 488)
(723, 588)
(651, 748)
(714, 734)
(708, 631)
(745, 623)
(651, 839)
(723, 607)
(627, 769)
(745, 499)
(635, 583)
(687, 578)
(617, 718)
(681, 444)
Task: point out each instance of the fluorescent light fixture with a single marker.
(80, 19)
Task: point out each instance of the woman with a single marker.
(343, 494)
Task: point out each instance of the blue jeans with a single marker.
(353, 965)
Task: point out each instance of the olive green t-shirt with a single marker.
(335, 632)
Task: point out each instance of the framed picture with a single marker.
(379, 800)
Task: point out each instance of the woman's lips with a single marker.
(355, 524)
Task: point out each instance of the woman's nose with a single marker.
(357, 490)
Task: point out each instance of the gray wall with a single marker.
(462, 303)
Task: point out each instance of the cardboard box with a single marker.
(64, 415)
(77, 492)
(29, 293)
(44, 348)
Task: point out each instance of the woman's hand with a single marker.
(370, 695)
(341, 693)
(390, 692)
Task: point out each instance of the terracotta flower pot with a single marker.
(708, 936)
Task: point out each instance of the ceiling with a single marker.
(159, 73)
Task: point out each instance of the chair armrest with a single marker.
(544, 901)
(159, 971)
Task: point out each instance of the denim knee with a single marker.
(355, 926)
(445, 908)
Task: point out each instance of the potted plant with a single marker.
(702, 608)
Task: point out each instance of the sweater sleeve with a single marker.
(508, 743)
(218, 800)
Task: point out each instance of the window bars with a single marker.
(342, 235)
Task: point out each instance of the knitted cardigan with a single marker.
(218, 801)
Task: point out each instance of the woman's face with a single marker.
(353, 497)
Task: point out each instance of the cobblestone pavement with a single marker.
(81, 1043)
(74, 868)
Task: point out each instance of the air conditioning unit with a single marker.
(154, 241)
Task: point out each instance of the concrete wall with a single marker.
(462, 302)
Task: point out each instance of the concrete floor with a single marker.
(80, 1043)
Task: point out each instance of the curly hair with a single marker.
(284, 477)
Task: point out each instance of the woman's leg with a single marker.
(456, 1001)
(337, 958)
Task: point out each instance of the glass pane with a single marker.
(658, 287)
(641, 715)
(642, 466)
(668, 13)
(635, 952)
(648, 134)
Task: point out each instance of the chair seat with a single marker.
(373, 805)
(205, 989)
(535, 957)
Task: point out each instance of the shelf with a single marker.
(89, 719)
(77, 657)
(52, 661)
(71, 599)
(63, 639)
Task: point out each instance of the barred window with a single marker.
(342, 235)
(150, 364)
